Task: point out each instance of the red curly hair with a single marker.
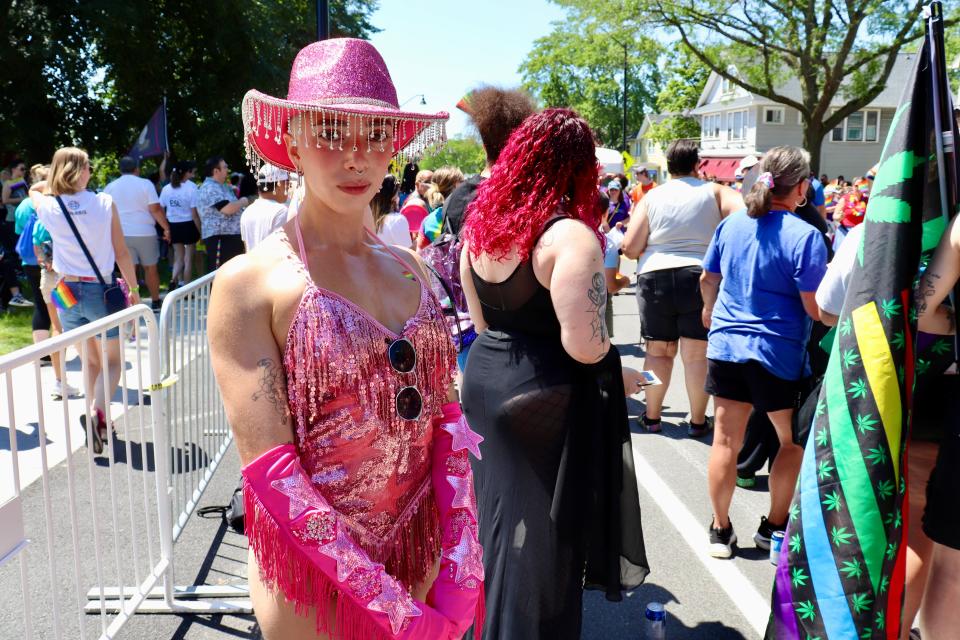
(549, 163)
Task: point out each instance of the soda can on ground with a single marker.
(656, 622)
(776, 543)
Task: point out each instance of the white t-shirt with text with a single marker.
(133, 195)
(92, 213)
(178, 202)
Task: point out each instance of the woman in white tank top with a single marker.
(669, 233)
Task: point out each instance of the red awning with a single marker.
(723, 168)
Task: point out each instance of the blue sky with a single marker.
(443, 49)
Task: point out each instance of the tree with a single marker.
(841, 52)
(687, 76)
(96, 69)
(465, 152)
(580, 65)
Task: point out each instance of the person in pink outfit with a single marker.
(336, 366)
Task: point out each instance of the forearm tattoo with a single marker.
(273, 388)
(597, 295)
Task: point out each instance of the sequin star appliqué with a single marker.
(348, 556)
(463, 499)
(301, 492)
(464, 437)
(468, 557)
(395, 602)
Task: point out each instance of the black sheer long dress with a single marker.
(556, 490)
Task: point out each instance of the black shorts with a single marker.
(750, 382)
(670, 304)
(184, 233)
(941, 518)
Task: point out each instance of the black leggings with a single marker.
(41, 316)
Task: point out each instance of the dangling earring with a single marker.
(801, 204)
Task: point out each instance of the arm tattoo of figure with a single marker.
(597, 295)
(926, 290)
(273, 387)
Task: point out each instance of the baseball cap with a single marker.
(272, 173)
(746, 164)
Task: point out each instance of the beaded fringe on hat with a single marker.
(266, 117)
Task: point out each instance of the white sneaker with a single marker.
(19, 301)
(63, 389)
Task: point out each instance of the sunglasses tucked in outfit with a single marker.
(403, 359)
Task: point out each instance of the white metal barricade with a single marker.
(95, 519)
(198, 430)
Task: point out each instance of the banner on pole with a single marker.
(152, 140)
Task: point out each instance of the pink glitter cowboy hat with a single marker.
(340, 81)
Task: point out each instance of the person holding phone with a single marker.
(219, 210)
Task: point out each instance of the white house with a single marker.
(735, 123)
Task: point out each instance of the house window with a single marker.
(773, 115)
(710, 126)
(736, 125)
(860, 126)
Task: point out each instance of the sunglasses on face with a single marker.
(403, 359)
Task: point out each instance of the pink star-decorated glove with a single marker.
(457, 592)
(305, 552)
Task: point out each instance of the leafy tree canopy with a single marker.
(91, 72)
(687, 76)
(580, 65)
(840, 52)
(464, 152)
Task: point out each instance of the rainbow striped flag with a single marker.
(62, 296)
(842, 571)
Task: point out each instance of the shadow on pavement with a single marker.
(143, 458)
(25, 441)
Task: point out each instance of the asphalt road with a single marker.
(704, 598)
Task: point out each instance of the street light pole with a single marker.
(623, 140)
(323, 20)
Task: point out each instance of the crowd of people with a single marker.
(416, 464)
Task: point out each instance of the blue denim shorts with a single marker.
(90, 307)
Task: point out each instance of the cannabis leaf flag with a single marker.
(842, 571)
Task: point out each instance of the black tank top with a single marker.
(519, 303)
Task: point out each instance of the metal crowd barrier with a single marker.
(107, 519)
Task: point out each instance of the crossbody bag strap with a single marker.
(76, 232)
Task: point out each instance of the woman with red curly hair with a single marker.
(543, 387)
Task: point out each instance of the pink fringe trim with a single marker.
(481, 614)
(285, 568)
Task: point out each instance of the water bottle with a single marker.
(656, 621)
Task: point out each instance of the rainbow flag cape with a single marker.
(841, 574)
(62, 297)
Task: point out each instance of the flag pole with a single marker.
(943, 138)
(166, 127)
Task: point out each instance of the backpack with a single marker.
(25, 243)
(442, 257)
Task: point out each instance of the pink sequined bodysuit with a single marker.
(370, 465)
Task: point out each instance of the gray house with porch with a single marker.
(735, 123)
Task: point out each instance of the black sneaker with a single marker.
(156, 305)
(722, 541)
(764, 531)
(649, 424)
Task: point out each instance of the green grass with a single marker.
(15, 329)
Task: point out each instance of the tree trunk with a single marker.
(813, 134)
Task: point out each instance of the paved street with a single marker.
(704, 598)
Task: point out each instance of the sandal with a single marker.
(651, 425)
(94, 431)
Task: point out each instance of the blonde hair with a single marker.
(788, 166)
(66, 171)
(445, 180)
(39, 172)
